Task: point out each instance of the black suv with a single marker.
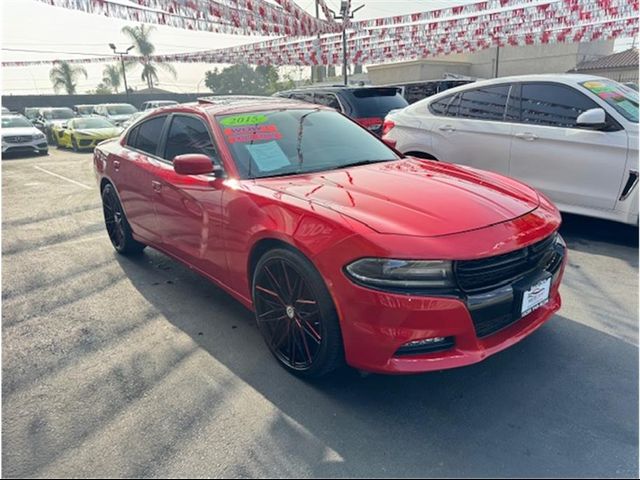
(415, 91)
(366, 105)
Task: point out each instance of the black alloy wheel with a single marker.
(117, 225)
(296, 315)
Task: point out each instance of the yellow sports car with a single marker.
(84, 132)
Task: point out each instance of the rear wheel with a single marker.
(296, 315)
(117, 225)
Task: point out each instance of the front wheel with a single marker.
(117, 225)
(74, 144)
(296, 315)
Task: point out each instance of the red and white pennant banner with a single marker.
(522, 22)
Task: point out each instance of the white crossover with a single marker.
(572, 137)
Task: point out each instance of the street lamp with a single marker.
(344, 15)
(124, 74)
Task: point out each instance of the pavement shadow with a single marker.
(563, 402)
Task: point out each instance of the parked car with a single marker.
(133, 118)
(50, 117)
(416, 91)
(20, 136)
(83, 110)
(573, 137)
(32, 113)
(344, 250)
(367, 105)
(5, 111)
(116, 113)
(157, 104)
(84, 133)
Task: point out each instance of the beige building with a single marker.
(528, 59)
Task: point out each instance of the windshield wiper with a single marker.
(363, 162)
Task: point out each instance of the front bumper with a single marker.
(379, 323)
(36, 146)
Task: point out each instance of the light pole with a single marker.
(124, 73)
(344, 15)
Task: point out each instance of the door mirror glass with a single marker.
(194, 164)
(594, 118)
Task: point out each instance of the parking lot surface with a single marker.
(139, 367)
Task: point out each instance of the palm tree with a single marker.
(111, 76)
(140, 38)
(64, 75)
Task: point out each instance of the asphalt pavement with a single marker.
(117, 367)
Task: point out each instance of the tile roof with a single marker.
(626, 59)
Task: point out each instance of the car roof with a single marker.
(12, 115)
(222, 105)
(111, 104)
(336, 88)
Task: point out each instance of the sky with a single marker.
(31, 30)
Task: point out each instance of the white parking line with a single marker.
(63, 178)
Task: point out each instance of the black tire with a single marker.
(301, 318)
(424, 156)
(74, 144)
(118, 227)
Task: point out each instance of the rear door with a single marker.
(188, 206)
(472, 129)
(572, 165)
(133, 173)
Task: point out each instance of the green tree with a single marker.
(111, 76)
(243, 80)
(64, 75)
(101, 89)
(140, 37)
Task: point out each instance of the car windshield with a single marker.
(15, 122)
(58, 114)
(121, 109)
(287, 142)
(620, 97)
(84, 109)
(31, 113)
(92, 123)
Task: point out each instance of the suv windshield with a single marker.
(92, 123)
(623, 99)
(15, 122)
(121, 109)
(287, 142)
(58, 114)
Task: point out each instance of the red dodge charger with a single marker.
(346, 251)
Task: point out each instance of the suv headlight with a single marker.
(386, 272)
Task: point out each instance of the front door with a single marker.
(573, 166)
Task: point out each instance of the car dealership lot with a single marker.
(139, 367)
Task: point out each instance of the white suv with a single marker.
(573, 137)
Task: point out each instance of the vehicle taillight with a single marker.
(370, 123)
(387, 127)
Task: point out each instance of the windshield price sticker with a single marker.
(252, 133)
(243, 120)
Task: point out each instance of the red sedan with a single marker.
(346, 251)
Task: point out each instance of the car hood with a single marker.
(414, 197)
(20, 131)
(100, 132)
(118, 118)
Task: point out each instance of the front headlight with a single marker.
(39, 136)
(385, 272)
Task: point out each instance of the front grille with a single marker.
(18, 139)
(490, 273)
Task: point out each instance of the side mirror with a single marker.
(595, 118)
(195, 164)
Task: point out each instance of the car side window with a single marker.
(552, 104)
(327, 99)
(188, 135)
(147, 135)
(484, 103)
(439, 107)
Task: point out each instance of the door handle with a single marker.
(447, 128)
(157, 186)
(116, 165)
(529, 137)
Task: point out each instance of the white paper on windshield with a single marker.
(268, 156)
